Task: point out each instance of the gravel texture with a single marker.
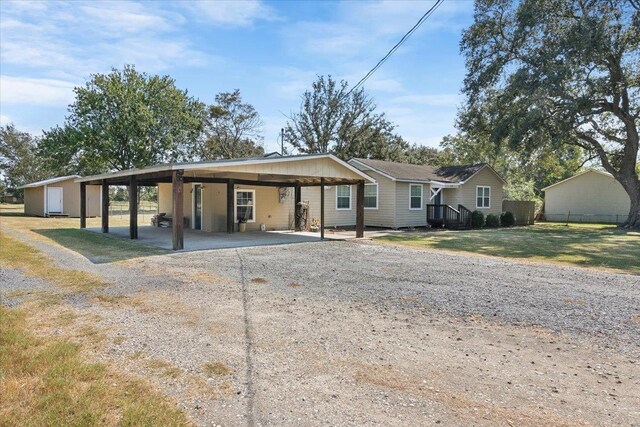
(346, 333)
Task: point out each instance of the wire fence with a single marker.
(586, 218)
(121, 210)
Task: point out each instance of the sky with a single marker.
(271, 51)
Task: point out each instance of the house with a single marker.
(402, 193)
(59, 196)
(589, 196)
(265, 193)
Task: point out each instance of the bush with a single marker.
(492, 221)
(477, 219)
(507, 219)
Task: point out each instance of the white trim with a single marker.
(483, 186)
(421, 196)
(350, 197)
(577, 175)
(377, 195)
(235, 203)
(49, 181)
(193, 205)
(61, 199)
(45, 209)
(434, 191)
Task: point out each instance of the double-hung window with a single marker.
(483, 197)
(343, 197)
(371, 196)
(415, 193)
(245, 205)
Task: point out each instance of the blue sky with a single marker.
(271, 51)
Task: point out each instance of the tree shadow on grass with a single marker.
(608, 247)
(98, 248)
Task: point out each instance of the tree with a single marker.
(18, 161)
(550, 74)
(232, 129)
(126, 119)
(332, 119)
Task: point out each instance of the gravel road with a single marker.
(347, 333)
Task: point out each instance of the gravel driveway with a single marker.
(348, 333)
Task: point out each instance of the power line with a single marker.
(394, 48)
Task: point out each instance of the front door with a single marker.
(54, 200)
(197, 207)
(437, 200)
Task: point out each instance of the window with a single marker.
(415, 192)
(245, 205)
(483, 195)
(371, 196)
(343, 197)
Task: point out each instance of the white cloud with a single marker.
(230, 13)
(31, 91)
(4, 120)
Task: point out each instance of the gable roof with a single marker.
(577, 175)
(49, 181)
(424, 173)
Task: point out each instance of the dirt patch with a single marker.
(216, 369)
(259, 280)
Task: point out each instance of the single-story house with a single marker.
(403, 195)
(59, 196)
(265, 193)
(589, 196)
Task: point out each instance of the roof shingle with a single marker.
(409, 172)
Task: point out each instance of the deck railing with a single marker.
(447, 216)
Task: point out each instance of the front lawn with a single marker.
(585, 245)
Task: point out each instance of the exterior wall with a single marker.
(591, 196)
(385, 215)
(332, 217)
(70, 197)
(93, 200)
(466, 194)
(34, 201)
(406, 217)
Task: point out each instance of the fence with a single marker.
(524, 211)
(586, 218)
(121, 210)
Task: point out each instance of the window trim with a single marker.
(377, 195)
(235, 203)
(350, 198)
(421, 197)
(483, 186)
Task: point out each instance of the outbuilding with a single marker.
(59, 196)
(589, 196)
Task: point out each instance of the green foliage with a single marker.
(507, 219)
(477, 219)
(546, 75)
(232, 129)
(126, 119)
(492, 221)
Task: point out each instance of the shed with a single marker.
(59, 196)
(589, 196)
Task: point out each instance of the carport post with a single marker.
(178, 211)
(83, 205)
(133, 207)
(321, 208)
(360, 210)
(298, 206)
(230, 215)
(105, 206)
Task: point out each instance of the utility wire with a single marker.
(397, 46)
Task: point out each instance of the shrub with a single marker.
(492, 221)
(477, 219)
(507, 219)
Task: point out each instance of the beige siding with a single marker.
(384, 216)
(34, 201)
(466, 194)
(591, 196)
(406, 217)
(93, 200)
(333, 217)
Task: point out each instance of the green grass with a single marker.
(585, 245)
(99, 248)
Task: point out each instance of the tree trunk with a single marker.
(631, 184)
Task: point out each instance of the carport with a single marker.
(280, 172)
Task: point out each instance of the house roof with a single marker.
(424, 173)
(577, 175)
(49, 181)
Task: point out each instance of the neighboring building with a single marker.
(401, 193)
(59, 197)
(589, 196)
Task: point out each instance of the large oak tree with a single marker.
(557, 72)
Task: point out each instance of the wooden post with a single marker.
(177, 221)
(133, 207)
(105, 206)
(298, 207)
(321, 208)
(230, 206)
(360, 210)
(83, 205)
